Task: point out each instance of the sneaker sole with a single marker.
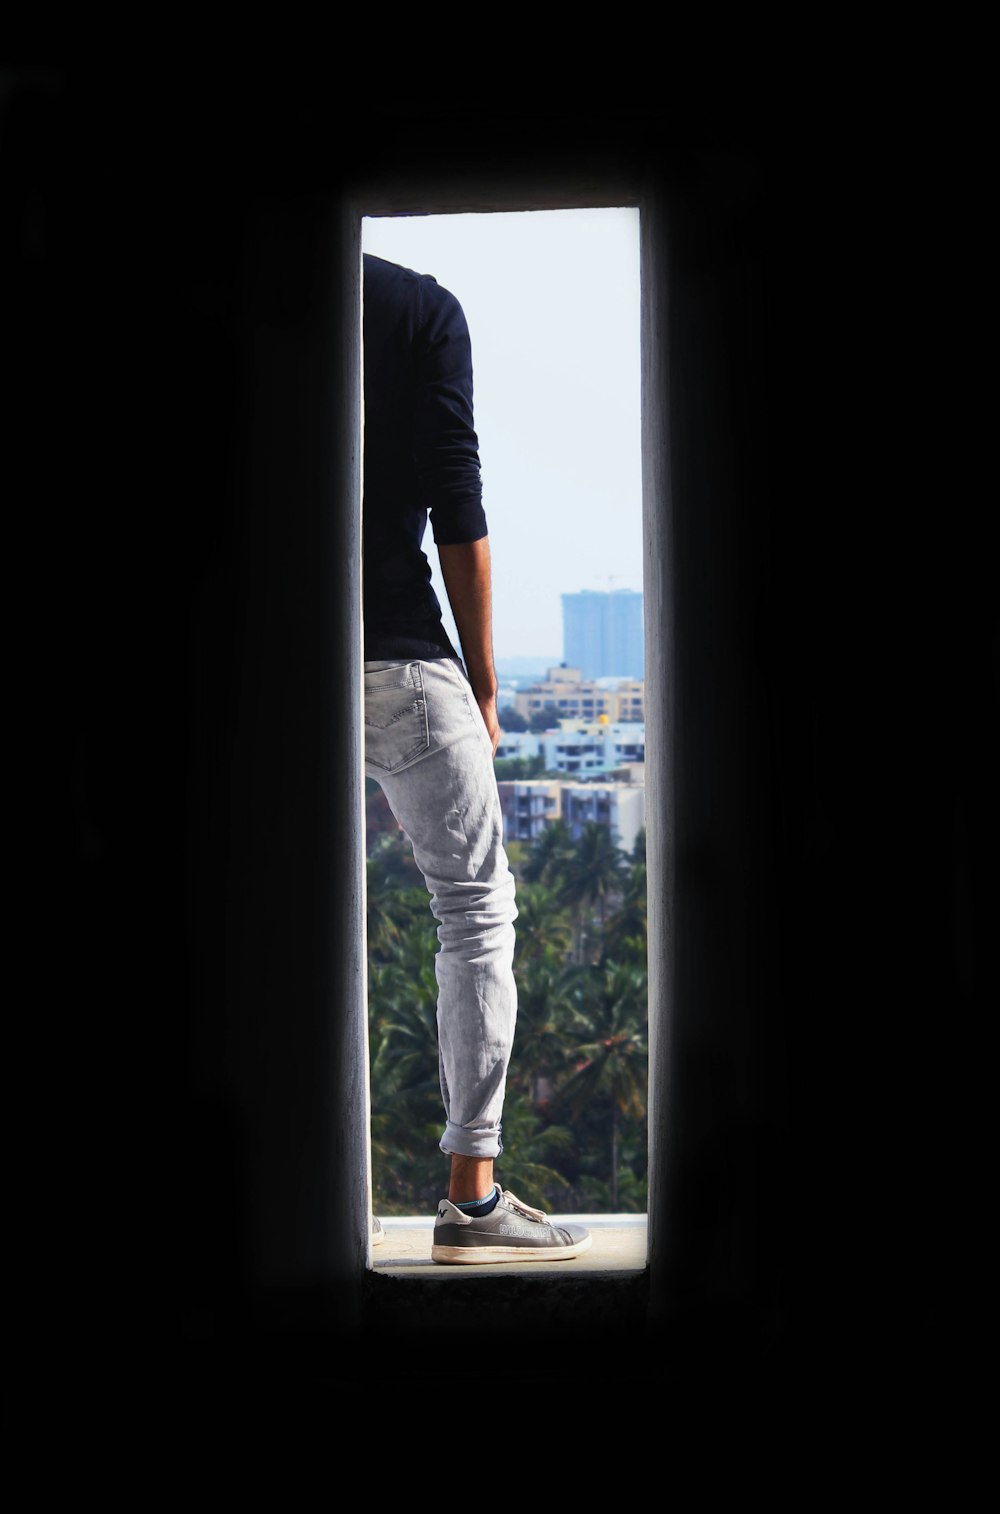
(485, 1254)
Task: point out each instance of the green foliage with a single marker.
(518, 768)
(591, 881)
(550, 855)
(543, 924)
(574, 1131)
(625, 933)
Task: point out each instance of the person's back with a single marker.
(421, 454)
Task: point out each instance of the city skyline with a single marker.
(552, 301)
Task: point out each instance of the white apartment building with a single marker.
(528, 806)
(620, 806)
(579, 747)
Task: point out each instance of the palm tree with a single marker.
(575, 1044)
(396, 893)
(625, 937)
(548, 1024)
(592, 879)
(612, 1064)
(405, 1082)
(542, 1150)
(549, 854)
(543, 924)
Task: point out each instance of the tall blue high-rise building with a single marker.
(602, 633)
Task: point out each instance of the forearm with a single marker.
(467, 575)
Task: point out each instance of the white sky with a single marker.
(552, 302)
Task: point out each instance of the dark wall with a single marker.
(179, 437)
(167, 301)
(833, 722)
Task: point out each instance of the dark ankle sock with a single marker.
(481, 1206)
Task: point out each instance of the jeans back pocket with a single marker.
(395, 717)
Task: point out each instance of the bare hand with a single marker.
(488, 710)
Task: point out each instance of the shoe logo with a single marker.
(528, 1231)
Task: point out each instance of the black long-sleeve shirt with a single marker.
(421, 454)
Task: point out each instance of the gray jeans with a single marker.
(426, 746)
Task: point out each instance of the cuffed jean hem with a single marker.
(459, 1142)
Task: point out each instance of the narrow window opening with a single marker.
(552, 303)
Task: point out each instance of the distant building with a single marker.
(591, 747)
(630, 694)
(528, 805)
(619, 806)
(603, 633)
(566, 695)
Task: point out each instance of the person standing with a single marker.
(432, 731)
